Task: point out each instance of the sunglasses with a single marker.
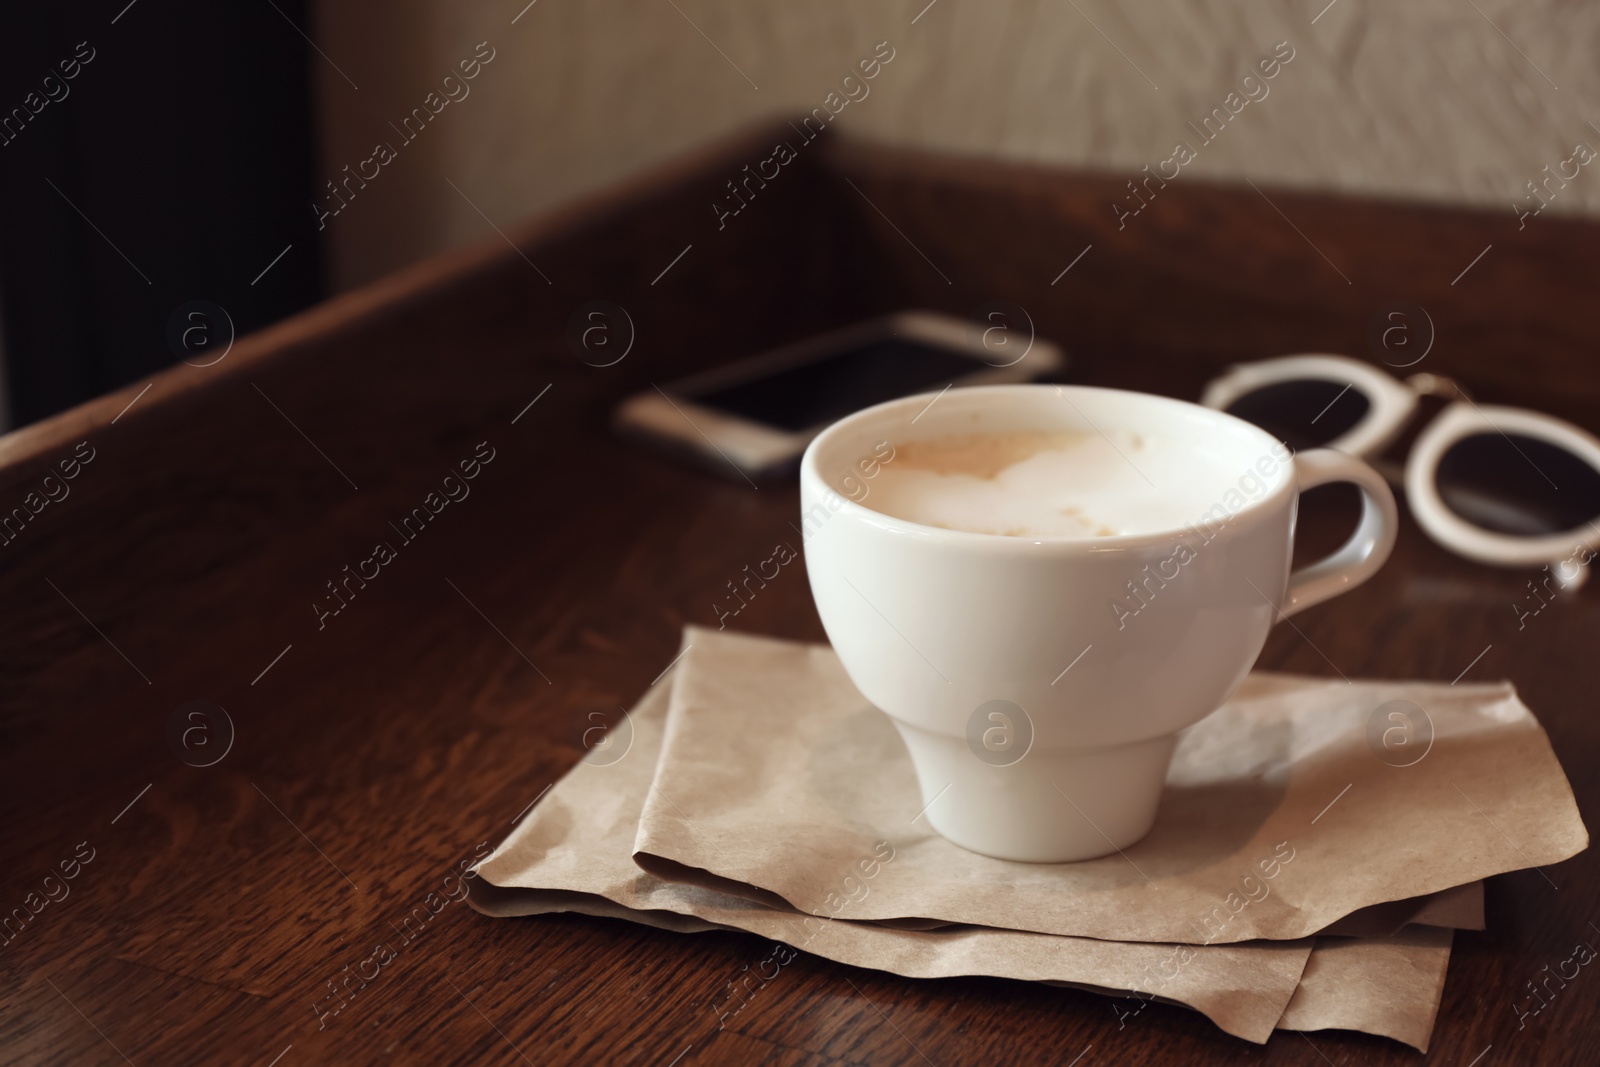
(1503, 486)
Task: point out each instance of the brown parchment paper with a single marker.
(776, 775)
(573, 852)
(1458, 908)
(1385, 986)
(1390, 986)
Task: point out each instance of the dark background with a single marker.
(188, 142)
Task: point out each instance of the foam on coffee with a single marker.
(1048, 484)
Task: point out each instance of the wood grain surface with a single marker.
(375, 749)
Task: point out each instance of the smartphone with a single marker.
(752, 419)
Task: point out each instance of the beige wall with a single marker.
(1425, 99)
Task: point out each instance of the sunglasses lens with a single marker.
(1306, 413)
(1518, 485)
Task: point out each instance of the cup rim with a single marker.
(811, 478)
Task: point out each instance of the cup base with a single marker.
(1050, 806)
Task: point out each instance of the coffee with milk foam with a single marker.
(1049, 484)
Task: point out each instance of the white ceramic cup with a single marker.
(1040, 685)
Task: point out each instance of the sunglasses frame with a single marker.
(1462, 420)
(1391, 404)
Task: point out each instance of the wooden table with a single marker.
(376, 748)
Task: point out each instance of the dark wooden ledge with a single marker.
(419, 721)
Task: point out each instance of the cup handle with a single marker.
(1368, 548)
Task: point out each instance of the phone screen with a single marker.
(823, 391)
